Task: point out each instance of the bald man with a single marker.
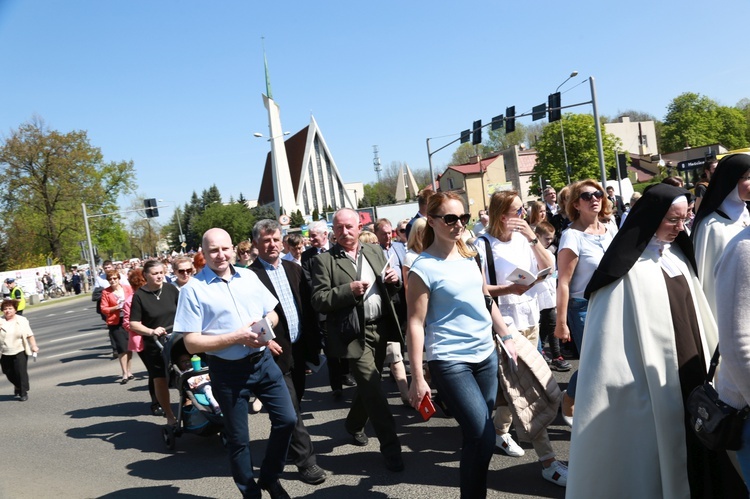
(215, 313)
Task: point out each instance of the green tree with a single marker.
(234, 218)
(580, 142)
(694, 120)
(498, 140)
(45, 175)
(297, 220)
(744, 107)
(377, 194)
(465, 152)
(210, 196)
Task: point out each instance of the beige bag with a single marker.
(26, 346)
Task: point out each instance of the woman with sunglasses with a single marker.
(245, 256)
(183, 270)
(649, 336)
(449, 319)
(113, 300)
(721, 216)
(509, 244)
(582, 247)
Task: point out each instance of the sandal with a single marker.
(123, 381)
(130, 376)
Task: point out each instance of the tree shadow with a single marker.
(157, 492)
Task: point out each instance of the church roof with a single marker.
(295, 153)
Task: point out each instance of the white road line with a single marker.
(73, 337)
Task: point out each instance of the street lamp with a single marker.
(260, 135)
(179, 224)
(562, 130)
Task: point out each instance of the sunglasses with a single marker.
(520, 211)
(451, 219)
(586, 196)
(184, 271)
(244, 252)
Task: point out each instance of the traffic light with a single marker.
(622, 164)
(553, 104)
(465, 136)
(476, 137)
(510, 119)
(151, 210)
(497, 122)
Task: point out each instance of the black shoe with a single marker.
(560, 364)
(274, 489)
(313, 474)
(348, 380)
(394, 464)
(157, 410)
(359, 439)
(23, 398)
(337, 394)
(17, 393)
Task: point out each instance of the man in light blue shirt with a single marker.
(215, 313)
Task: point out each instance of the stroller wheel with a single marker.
(168, 435)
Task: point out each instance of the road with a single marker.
(82, 435)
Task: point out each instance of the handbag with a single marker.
(717, 425)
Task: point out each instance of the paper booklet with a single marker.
(520, 276)
(264, 330)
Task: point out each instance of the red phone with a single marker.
(426, 409)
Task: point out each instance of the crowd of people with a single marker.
(641, 292)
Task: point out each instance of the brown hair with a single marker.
(544, 228)
(575, 194)
(199, 261)
(433, 205)
(500, 203)
(8, 301)
(136, 279)
(562, 199)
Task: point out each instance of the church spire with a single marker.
(265, 64)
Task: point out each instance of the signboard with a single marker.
(284, 219)
(691, 164)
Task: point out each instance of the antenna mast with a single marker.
(376, 162)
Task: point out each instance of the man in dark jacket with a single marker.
(290, 347)
(353, 287)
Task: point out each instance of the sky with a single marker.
(176, 86)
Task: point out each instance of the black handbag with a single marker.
(717, 425)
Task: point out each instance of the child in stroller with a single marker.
(199, 384)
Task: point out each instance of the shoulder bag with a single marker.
(717, 425)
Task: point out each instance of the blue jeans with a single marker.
(743, 455)
(233, 383)
(469, 391)
(577, 308)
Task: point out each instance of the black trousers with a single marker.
(301, 447)
(15, 368)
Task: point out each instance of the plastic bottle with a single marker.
(196, 361)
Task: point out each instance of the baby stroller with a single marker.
(194, 413)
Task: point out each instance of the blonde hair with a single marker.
(434, 204)
(368, 237)
(416, 235)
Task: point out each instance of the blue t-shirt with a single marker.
(457, 325)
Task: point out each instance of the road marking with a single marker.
(73, 337)
(62, 354)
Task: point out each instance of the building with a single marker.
(314, 180)
(475, 181)
(637, 137)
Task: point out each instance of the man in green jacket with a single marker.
(16, 293)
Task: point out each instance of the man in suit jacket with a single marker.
(618, 207)
(352, 288)
(338, 369)
(293, 340)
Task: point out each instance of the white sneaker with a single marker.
(508, 445)
(557, 473)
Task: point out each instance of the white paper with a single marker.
(264, 330)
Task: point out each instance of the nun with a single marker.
(721, 216)
(649, 334)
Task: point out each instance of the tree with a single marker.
(580, 142)
(297, 220)
(234, 218)
(45, 175)
(465, 152)
(695, 120)
(210, 196)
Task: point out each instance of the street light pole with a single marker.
(597, 127)
(562, 129)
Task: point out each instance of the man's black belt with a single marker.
(252, 358)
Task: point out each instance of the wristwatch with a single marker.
(534, 241)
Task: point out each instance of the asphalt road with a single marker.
(82, 435)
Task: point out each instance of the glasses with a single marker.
(676, 221)
(587, 196)
(185, 271)
(244, 252)
(113, 278)
(402, 231)
(451, 219)
(520, 211)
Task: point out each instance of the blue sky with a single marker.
(176, 86)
